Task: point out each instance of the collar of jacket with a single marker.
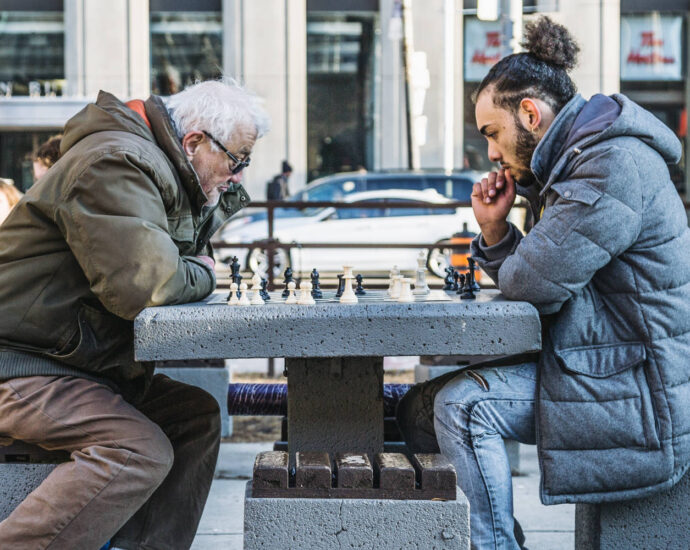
(166, 137)
(548, 158)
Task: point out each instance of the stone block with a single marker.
(17, 481)
(212, 379)
(653, 523)
(321, 524)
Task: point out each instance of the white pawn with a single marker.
(405, 290)
(305, 297)
(391, 279)
(291, 298)
(244, 296)
(397, 286)
(257, 300)
(233, 295)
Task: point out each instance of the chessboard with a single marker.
(329, 297)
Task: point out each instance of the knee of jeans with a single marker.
(455, 401)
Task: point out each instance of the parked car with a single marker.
(373, 222)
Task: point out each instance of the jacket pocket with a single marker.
(102, 341)
(611, 383)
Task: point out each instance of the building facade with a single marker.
(331, 72)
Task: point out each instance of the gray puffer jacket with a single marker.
(608, 266)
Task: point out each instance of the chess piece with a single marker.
(264, 293)
(473, 282)
(397, 287)
(235, 276)
(292, 297)
(305, 297)
(349, 296)
(359, 291)
(316, 285)
(232, 297)
(421, 288)
(244, 296)
(461, 283)
(286, 281)
(456, 278)
(405, 290)
(467, 292)
(256, 300)
(341, 286)
(449, 280)
(391, 278)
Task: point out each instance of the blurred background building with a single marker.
(332, 71)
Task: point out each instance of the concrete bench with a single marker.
(658, 522)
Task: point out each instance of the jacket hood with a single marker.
(107, 114)
(581, 124)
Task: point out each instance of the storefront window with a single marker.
(32, 50)
(341, 58)
(186, 46)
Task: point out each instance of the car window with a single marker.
(354, 213)
(333, 190)
(453, 187)
(381, 184)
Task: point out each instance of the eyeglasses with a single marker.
(239, 164)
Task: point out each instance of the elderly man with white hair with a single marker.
(121, 222)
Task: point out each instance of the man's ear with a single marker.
(530, 114)
(191, 142)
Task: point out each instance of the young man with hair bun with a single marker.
(607, 266)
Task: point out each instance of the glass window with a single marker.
(460, 188)
(185, 45)
(32, 50)
(16, 149)
(333, 190)
(378, 184)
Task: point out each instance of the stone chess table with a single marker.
(334, 360)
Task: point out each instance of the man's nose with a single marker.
(494, 155)
(236, 178)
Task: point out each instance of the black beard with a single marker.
(525, 145)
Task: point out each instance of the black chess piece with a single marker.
(288, 279)
(234, 267)
(449, 280)
(359, 291)
(456, 278)
(461, 283)
(341, 286)
(315, 285)
(238, 279)
(473, 281)
(264, 293)
(467, 292)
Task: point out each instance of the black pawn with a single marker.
(288, 279)
(467, 292)
(315, 285)
(449, 280)
(264, 292)
(341, 286)
(359, 291)
(456, 278)
(461, 283)
(473, 281)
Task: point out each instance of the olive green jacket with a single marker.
(114, 227)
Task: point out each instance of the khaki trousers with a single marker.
(137, 476)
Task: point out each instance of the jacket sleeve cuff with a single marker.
(499, 251)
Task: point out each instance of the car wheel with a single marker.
(438, 260)
(257, 261)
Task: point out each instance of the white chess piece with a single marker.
(292, 297)
(233, 295)
(257, 300)
(395, 291)
(244, 296)
(391, 279)
(420, 286)
(349, 296)
(405, 290)
(305, 297)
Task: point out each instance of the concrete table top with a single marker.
(489, 325)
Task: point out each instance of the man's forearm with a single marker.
(494, 232)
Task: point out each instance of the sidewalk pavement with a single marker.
(546, 527)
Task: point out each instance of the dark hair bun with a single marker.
(551, 43)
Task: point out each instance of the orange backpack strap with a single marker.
(137, 105)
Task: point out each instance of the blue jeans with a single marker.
(473, 411)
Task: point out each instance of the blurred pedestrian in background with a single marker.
(9, 196)
(46, 155)
(277, 189)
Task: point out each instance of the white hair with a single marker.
(218, 107)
